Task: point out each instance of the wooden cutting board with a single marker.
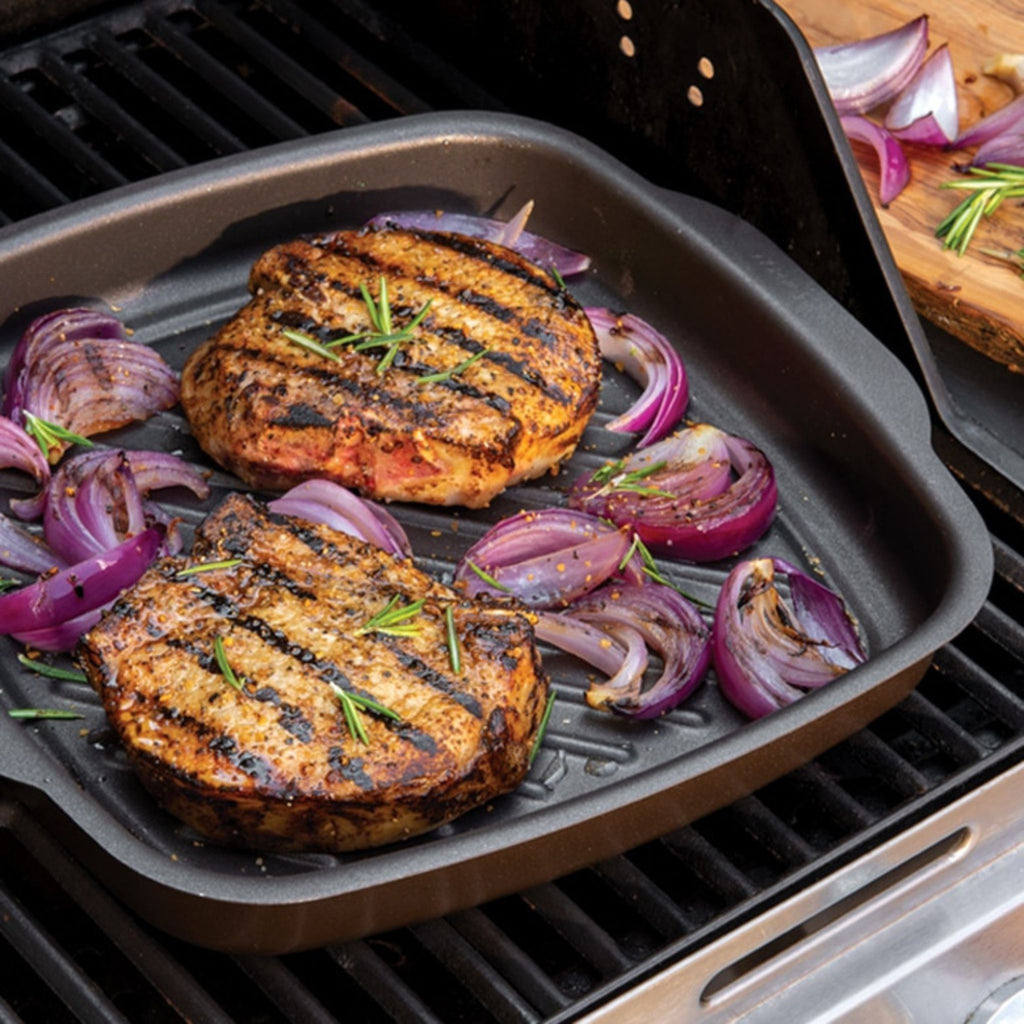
(976, 298)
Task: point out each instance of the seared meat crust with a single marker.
(276, 413)
(273, 765)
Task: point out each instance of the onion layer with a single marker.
(650, 359)
(665, 621)
(510, 233)
(545, 558)
(1005, 119)
(18, 450)
(864, 74)
(926, 110)
(768, 653)
(893, 167)
(680, 496)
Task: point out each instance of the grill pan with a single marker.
(771, 356)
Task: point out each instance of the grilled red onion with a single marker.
(77, 369)
(893, 166)
(665, 621)
(18, 450)
(926, 110)
(97, 499)
(767, 652)
(323, 501)
(56, 599)
(26, 551)
(508, 233)
(1005, 119)
(680, 495)
(650, 359)
(864, 74)
(545, 558)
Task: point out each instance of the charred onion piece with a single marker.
(323, 501)
(768, 652)
(661, 618)
(76, 368)
(699, 495)
(649, 358)
(864, 74)
(18, 450)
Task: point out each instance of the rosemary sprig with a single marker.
(34, 714)
(615, 477)
(455, 371)
(1015, 258)
(220, 656)
(454, 651)
(650, 568)
(308, 342)
(394, 619)
(192, 570)
(543, 727)
(8, 584)
(50, 435)
(989, 186)
(487, 577)
(52, 671)
(352, 704)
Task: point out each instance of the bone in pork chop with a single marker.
(275, 764)
(494, 385)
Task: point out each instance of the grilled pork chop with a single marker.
(494, 385)
(276, 763)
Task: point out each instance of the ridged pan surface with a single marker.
(864, 502)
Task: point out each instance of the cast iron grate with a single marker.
(156, 85)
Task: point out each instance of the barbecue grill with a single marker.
(873, 849)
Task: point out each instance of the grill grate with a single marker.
(158, 85)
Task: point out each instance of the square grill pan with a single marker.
(770, 355)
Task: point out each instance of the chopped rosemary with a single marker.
(52, 671)
(8, 584)
(308, 342)
(50, 435)
(487, 577)
(638, 547)
(192, 570)
(32, 714)
(989, 186)
(615, 477)
(352, 703)
(394, 620)
(454, 652)
(220, 656)
(455, 371)
(557, 276)
(543, 727)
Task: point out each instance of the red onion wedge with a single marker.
(699, 495)
(98, 498)
(650, 359)
(666, 622)
(545, 558)
(1005, 148)
(768, 652)
(510, 233)
(76, 368)
(18, 450)
(1005, 119)
(80, 588)
(926, 110)
(864, 74)
(323, 501)
(26, 551)
(893, 166)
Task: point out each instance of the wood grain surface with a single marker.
(976, 298)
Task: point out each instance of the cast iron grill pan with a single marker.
(770, 356)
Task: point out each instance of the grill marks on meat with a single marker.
(275, 413)
(273, 765)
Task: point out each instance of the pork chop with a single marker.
(493, 385)
(343, 732)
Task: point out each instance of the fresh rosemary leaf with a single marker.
(192, 570)
(487, 577)
(52, 671)
(220, 656)
(8, 584)
(310, 343)
(651, 569)
(49, 435)
(32, 714)
(394, 619)
(615, 477)
(382, 333)
(432, 378)
(557, 276)
(454, 651)
(989, 187)
(352, 704)
(543, 728)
